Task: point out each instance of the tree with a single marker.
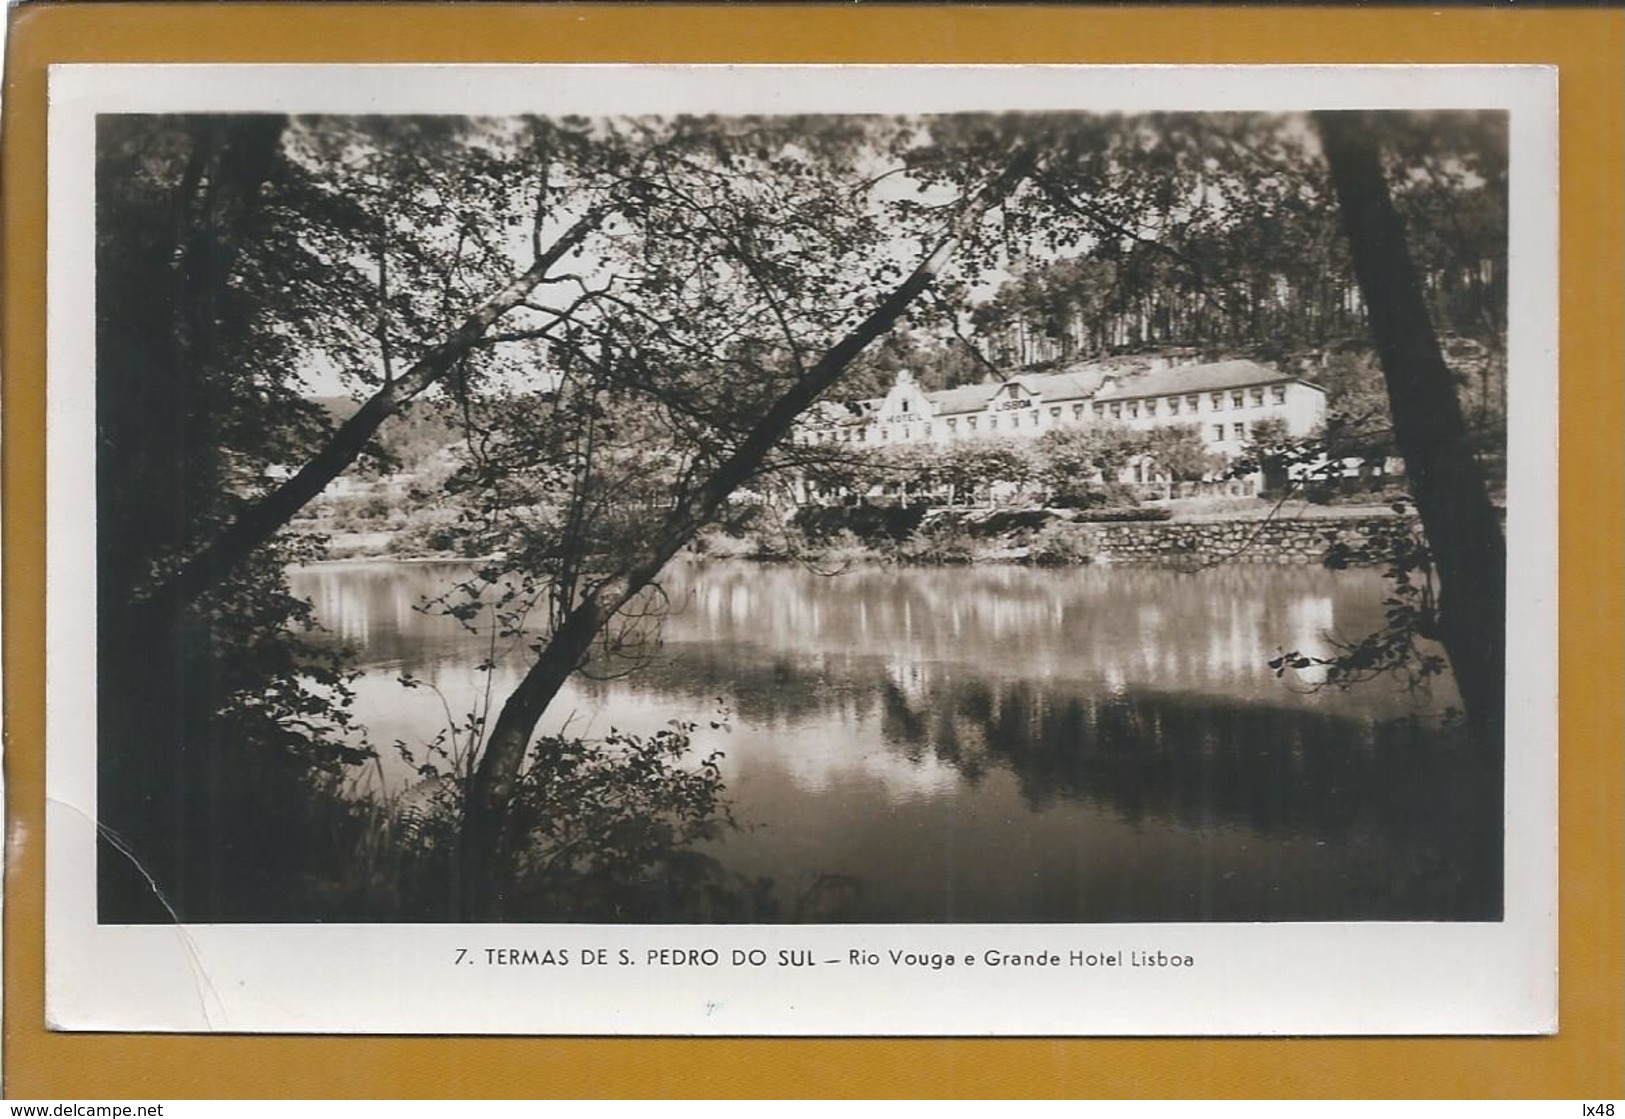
(973, 466)
(1179, 453)
(735, 275)
(1215, 232)
(224, 737)
(1073, 456)
(234, 253)
(709, 476)
(404, 221)
(625, 317)
(1463, 529)
(1235, 210)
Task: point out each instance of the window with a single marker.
(1034, 415)
(992, 423)
(953, 425)
(1117, 411)
(1218, 433)
(1134, 409)
(1218, 401)
(908, 432)
(885, 434)
(1192, 401)
(1056, 412)
(1173, 405)
(1077, 411)
(970, 423)
(1278, 394)
(904, 404)
(1240, 431)
(925, 431)
(1150, 407)
(1258, 398)
(863, 435)
(1100, 409)
(1236, 399)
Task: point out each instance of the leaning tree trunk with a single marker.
(266, 516)
(486, 847)
(1463, 528)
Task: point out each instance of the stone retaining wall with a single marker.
(1286, 541)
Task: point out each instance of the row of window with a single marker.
(1239, 398)
(1116, 410)
(1217, 431)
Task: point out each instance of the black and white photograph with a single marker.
(1025, 519)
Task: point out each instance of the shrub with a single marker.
(431, 532)
(840, 550)
(609, 830)
(941, 541)
(870, 522)
(1380, 495)
(718, 543)
(1139, 513)
(1059, 544)
(787, 543)
(1076, 497)
(1093, 495)
(1004, 521)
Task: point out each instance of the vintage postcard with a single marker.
(749, 550)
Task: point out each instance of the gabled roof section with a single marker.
(965, 398)
(1071, 384)
(1211, 377)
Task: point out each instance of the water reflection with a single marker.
(996, 744)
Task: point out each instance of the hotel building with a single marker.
(1223, 400)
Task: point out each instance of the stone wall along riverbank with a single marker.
(1286, 541)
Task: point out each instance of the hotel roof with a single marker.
(1073, 384)
(1076, 384)
(1081, 383)
(1178, 379)
(965, 398)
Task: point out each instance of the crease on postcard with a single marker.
(209, 1002)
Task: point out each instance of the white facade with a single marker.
(1225, 400)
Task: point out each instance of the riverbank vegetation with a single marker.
(574, 347)
(973, 500)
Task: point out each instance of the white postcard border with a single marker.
(1263, 979)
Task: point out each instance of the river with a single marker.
(1000, 743)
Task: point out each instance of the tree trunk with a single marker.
(160, 308)
(1463, 528)
(486, 848)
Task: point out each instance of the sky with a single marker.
(323, 378)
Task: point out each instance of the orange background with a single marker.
(1583, 1060)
